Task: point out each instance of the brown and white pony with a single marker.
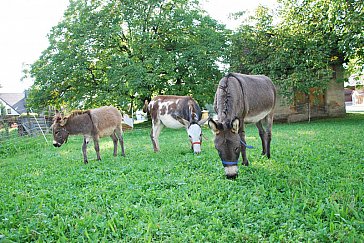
(175, 112)
(241, 99)
(94, 123)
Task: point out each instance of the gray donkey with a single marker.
(94, 123)
(241, 99)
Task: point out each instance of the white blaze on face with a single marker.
(231, 170)
(194, 133)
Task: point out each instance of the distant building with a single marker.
(14, 103)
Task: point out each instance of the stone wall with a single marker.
(334, 103)
(335, 96)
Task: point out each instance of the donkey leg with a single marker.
(97, 147)
(243, 148)
(115, 141)
(154, 134)
(269, 133)
(152, 137)
(84, 149)
(119, 134)
(263, 136)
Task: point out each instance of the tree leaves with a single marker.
(297, 53)
(104, 52)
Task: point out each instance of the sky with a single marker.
(24, 25)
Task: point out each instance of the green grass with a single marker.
(311, 190)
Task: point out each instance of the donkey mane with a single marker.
(226, 99)
(77, 113)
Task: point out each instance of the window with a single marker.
(8, 111)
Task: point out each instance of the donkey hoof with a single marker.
(85, 162)
(245, 163)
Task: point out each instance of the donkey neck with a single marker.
(188, 109)
(194, 111)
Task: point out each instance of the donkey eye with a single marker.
(237, 149)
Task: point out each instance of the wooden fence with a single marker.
(33, 125)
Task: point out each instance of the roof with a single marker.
(15, 100)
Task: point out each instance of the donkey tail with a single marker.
(145, 107)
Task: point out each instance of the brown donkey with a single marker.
(94, 123)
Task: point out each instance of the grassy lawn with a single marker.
(311, 190)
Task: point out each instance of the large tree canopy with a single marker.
(104, 52)
(303, 49)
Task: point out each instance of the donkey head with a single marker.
(60, 134)
(194, 132)
(227, 143)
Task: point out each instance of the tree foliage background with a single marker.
(311, 41)
(110, 52)
(115, 52)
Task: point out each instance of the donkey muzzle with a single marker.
(56, 144)
(196, 147)
(231, 169)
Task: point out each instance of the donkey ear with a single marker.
(57, 116)
(213, 126)
(184, 122)
(235, 124)
(201, 122)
